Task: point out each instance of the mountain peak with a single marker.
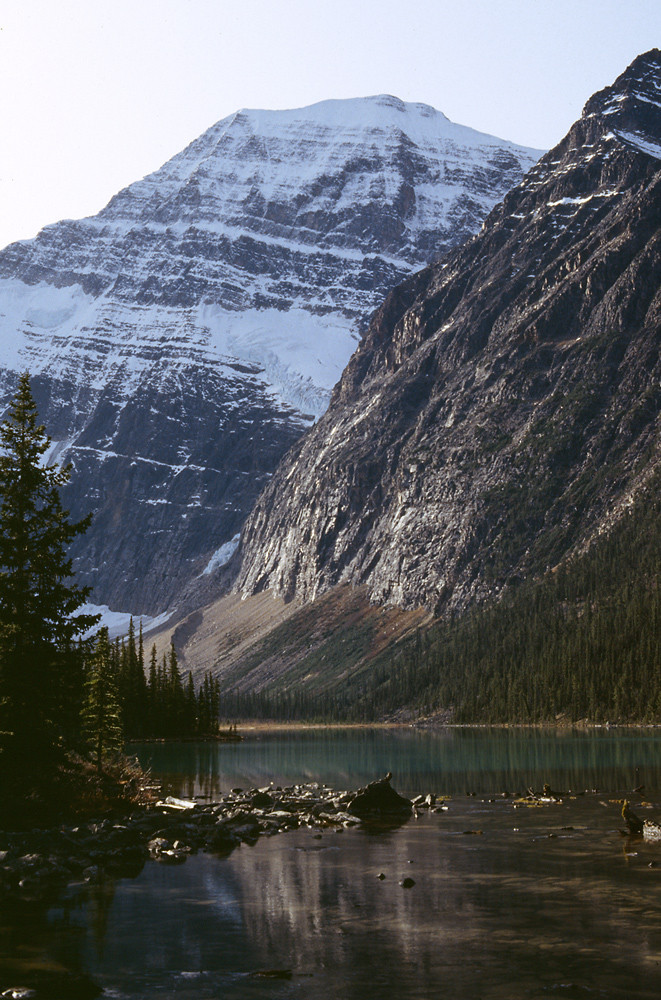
(182, 339)
(631, 106)
(348, 110)
(376, 115)
(481, 432)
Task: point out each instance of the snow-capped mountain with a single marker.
(182, 339)
(505, 405)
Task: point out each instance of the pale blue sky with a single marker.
(97, 94)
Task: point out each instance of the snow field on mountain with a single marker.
(117, 622)
(300, 355)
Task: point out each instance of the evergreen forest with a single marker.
(153, 703)
(581, 643)
(64, 687)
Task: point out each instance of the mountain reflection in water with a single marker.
(450, 761)
(527, 913)
(508, 902)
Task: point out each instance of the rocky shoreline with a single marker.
(36, 862)
(38, 867)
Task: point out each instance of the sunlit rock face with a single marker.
(182, 339)
(504, 405)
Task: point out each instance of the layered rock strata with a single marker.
(182, 339)
(504, 406)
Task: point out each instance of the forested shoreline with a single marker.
(580, 644)
(142, 701)
(583, 643)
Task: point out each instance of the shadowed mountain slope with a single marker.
(503, 408)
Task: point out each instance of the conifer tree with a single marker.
(102, 727)
(133, 686)
(176, 695)
(153, 695)
(190, 709)
(38, 598)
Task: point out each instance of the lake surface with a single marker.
(450, 761)
(508, 902)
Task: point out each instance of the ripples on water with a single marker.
(543, 903)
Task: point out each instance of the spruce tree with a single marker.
(102, 727)
(153, 696)
(190, 708)
(177, 697)
(38, 598)
(133, 686)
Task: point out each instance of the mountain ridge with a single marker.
(462, 448)
(182, 339)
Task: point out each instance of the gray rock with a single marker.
(261, 799)
(489, 389)
(173, 421)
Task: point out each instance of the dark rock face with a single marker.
(182, 339)
(379, 799)
(504, 405)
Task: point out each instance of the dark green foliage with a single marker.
(175, 696)
(208, 704)
(40, 667)
(102, 727)
(133, 685)
(60, 693)
(161, 706)
(583, 642)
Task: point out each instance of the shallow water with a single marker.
(544, 902)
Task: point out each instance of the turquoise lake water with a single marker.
(509, 902)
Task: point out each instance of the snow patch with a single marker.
(582, 201)
(644, 145)
(117, 622)
(56, 452)
(222, 555)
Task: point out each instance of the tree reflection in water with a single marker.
(509, 913)
(550, 901)
(447, 761)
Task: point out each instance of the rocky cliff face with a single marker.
(504, 405)
(181, 340)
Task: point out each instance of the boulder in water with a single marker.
(380, 799)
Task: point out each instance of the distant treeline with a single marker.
(157, 702)
(583, 642)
